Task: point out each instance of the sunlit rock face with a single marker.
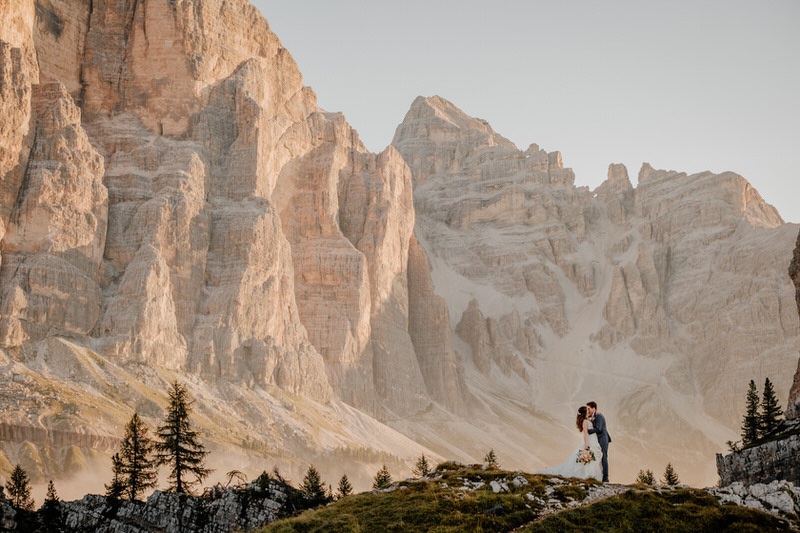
(659, 301)
(55, 234)
(173, 203)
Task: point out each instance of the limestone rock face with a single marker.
(174, 202)
(779, 497)
(251, 507)
(429, 326)
(18, 71)
(774, 460)
(648, 299)
(793, 407)
(55, 234)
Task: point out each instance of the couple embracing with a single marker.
(591, 459)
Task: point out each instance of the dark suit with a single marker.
(603, 438)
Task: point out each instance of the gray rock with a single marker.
(218, 511)
(774, 460)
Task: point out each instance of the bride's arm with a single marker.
(586, 434)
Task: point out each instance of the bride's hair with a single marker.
(581, 417)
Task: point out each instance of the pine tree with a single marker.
(770, 410)
(422, 468)
(313, 488)
(19, 489)
(344, 488)
(670, 476)
(383, 479)
(491, 460)
(178, 446)
(138, 465)
(750, 422)
(116, 488)
(52, 495)
(646, 477)
(51, 509)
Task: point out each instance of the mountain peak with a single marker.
(437, 114)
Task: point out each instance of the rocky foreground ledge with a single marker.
(218, 510)
(454, 495)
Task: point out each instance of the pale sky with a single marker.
(682, 85)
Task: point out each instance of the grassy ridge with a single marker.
(460, 498)
(455, 499)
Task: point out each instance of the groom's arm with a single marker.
(599, 424)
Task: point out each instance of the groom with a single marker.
(599, 422)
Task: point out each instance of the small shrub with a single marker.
(383, 479)
(422, 468)
(646, 477)
(491, 460)
(670, 476)
(345, 488)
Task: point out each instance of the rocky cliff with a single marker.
(793, 407)
(660, 301)
(773, 460)
(174, 204)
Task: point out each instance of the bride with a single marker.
(585, 461)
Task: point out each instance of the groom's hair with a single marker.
(593, 405)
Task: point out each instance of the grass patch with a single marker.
(461, 498)
(669, 511)
(458, 498)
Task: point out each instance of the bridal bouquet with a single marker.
(585, 457)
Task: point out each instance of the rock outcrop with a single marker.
(778, 497)
(220, 509)
(246, 509)
(764, 463)
(793, 406)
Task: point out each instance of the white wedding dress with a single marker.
(572, 468)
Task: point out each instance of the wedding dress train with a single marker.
(574, 468)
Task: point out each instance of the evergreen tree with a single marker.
(383, 479)
(646, 477)
(750, 423)
(344, 488)
(138, 465)
(52, 495)
(422, 467)
(51, 509)
(116, 488)
(670, 476)
(770, 410)
(491, 460)
(19, 489)
(178, 446)
(313, 488)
